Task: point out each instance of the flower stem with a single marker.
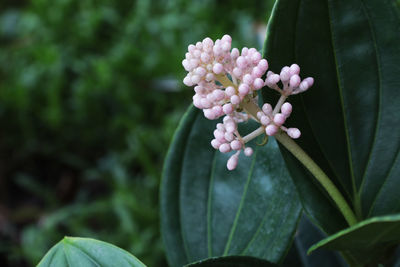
(319, 174)
(259, 131)
(279, 104)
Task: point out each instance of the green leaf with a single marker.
(366, 240)
(208, 211)
(233, 261)
(76, 251)
(349, 118)
(307, 234)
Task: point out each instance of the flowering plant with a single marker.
(334, 188)
(227, 82)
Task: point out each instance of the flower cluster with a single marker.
(290, 79)
(227, 138)
(226, 82)
(208, 65)
(273, 122)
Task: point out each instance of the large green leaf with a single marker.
(208, 211)
(75, 251)
(233, 261)
(307, 234)
(366, 241)
(349, 119)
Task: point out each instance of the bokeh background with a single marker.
(90, 96)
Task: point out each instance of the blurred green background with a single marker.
(90, 95)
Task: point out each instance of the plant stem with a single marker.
(279, 104)
(259, 131)
(319, 174)
(252, 108)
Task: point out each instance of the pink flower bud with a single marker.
(273, 79)
(219, 94)
(207, 42)
(209, 77)
(201, 71)
(279, 119)
(230, 127)
(217, 111)
(237, 72)
(211, 97)
(248, 79)
(265, 120)
(209, 114)
(230, 91)
(226, 46)
(267, 108)
(226, 38)
(186, 64)
(232, 162)
(206, 103)
(205, 57)
(235, 53)
(245, 50)
(295, 81)
(306, 83)
(195, 79)
(257, 72)
(271, 130)
(294, 133)
(199, 45)
(263, 64)
(285, 75)
(236, 145)
(227, 108)
(258, 83)
(235, 99)
(286, 109)
(256, 57)
(191, 48)
(241, 62)
(244, 89)
(248, 151)
(215, 143)
(220, 127)
(187, 81)
(294, 69)
(224, 148)
(218, 68)
(229, 137)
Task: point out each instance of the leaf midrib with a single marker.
(209, 203)
(379, 115)
(184, 239)
(86, 254)
(242, 200)
(340, 86)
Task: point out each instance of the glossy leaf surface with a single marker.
(349, 118)
(307, 234)
(76, 251)
(233, 261)
(366, 241)
(208, 211)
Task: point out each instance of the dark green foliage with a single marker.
(368, 241)
(208, 211)
(90, 94)
(349, 121)
(76, 251)
(233, 261)
(308, 234)
(349, 118)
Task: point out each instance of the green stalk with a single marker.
(252, 108)
(319, 174)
